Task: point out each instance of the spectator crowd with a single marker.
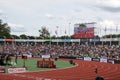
(76, 50)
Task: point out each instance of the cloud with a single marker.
(50, 16)
(5, 3)
(1, 11)
(52, 13)
(16, 27)
(109, 5)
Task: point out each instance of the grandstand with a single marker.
(77, 49)
(108, 48)
(92, 57)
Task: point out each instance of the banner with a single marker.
(65, 40)
(87, 58)
(110, 61)
(16, 70)
(45, 56)
(2, 39)
(10, 40)
(95, 40)
(80, 58)
(96, 59)
(85, 30)
(103, 60)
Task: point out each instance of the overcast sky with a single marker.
(28, 16)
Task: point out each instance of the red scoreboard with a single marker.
(84, 30)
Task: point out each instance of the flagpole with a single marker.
(4, 44)
(95, 32)
(57, 30)
(116, 30)
(27, 41)
(57, 33)
(65, 36)
(118, 34)
(69, 30)
(100, 29)
(105, 33)
(50, 38)
(13, 42)
(111, 37)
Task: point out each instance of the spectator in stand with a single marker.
(76, 50)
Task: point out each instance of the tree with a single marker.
(4, 30)
(32, 37)
(23, 36)
(15, 37)
(44, 33)
(53, 37)
(65, 37)
(82, 25)
(97, 36)
(118, 35)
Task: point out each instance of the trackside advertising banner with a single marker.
(111, 61)
(2, 39)
(16, 70)
(10, 40)
(96, 59)
(87, 58)
(95, 40)
(45, 56)
(103, 60)
(80, 58)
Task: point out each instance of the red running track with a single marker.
(84, 71)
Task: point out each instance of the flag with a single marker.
(65, 31)
(56, 32)
(105, 29)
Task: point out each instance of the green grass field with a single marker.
(31, 65)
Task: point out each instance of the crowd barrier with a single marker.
(112, 61)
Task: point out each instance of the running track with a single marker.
(84, 71)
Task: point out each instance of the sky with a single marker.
(28, 16)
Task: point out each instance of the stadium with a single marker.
(84, 57)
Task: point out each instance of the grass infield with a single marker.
(31, 65)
